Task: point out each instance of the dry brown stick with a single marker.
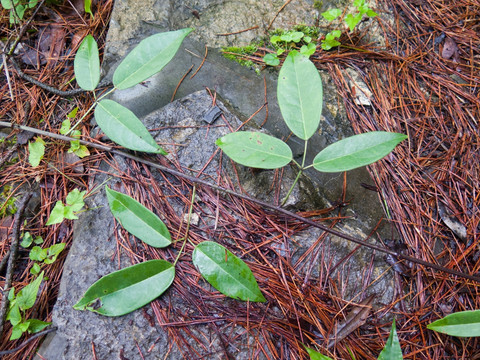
(239, 31)
(33, 337)
(13, 255)
(180, 82)
(264, 204)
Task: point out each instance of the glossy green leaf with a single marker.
(35, 325)
(226, 272)
(255, 149)
(36, 150)
(87, 64)
(148, 58)
(122, 126)
(26, 297)
(461, 324)
(14, 315)
(126, 290)
(87, 4)
(137, 219)
(356, 151)
(315, 355)
(392, 349)
(300, 95)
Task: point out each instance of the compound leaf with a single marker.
(300, 95)
(87, 64)
(461, 324)
(226, 272)
(126, 290)
(122, 126)
(356, 151)
(148, 58)
(137, 219)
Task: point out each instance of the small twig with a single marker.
(180, 82)
(203, 61)
(264, 204)
(278, 12)
(7, 75)
(13, 255)
(239, 31)
(30, 339)
(45, 86)
(4, 260)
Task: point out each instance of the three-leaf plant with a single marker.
(300, 97)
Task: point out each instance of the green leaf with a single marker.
(87, 64)
(35, 269)
(123, 291)
(38, 254)
(392, 349)
(315, 355)
(460, 324)
(53, 252)
(27, 296)
(16, 332)
(300, 95)
(275, 38)
(32, 3)
(356, 151)
(27, 240)
(255, 149)
(137, 219)
(36, 150)
(68, 213)
(371, 13)
(88, 7)
(75, 199)
(330, 40)
(226, 272)
(56, 216)
(331, 14)
(122, 126)
(148, 58)
(11, 295)
(352, 21)
(65, 126)
(73, 113)
(290, 36)
(37, 325)
(81, 152)
(7, 4)
(14, 315)
(308, 50)
(271, 59)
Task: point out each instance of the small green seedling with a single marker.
(300, 97)
(287, 40)
(36, 150)
(74, 203)
(19, 303)
(75, 147)
(17, 8)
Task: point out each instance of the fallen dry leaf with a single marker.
(354, 319)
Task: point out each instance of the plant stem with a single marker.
(302, 167)
(188, 225)
(89, 109)
(291, 188)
